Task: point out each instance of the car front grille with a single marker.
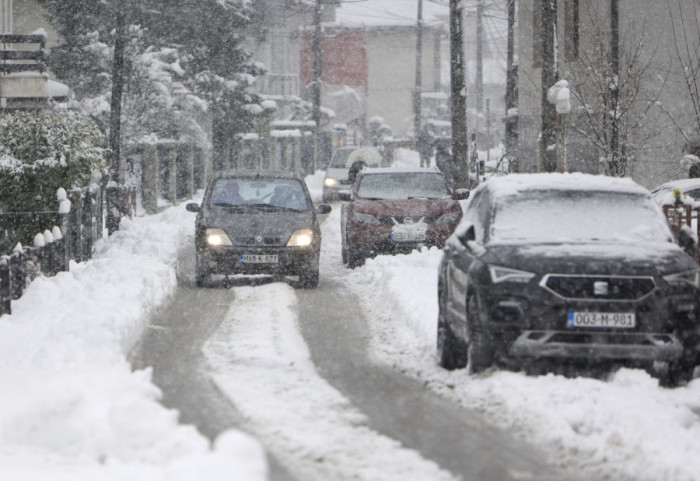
(607, 288)
(406, 219)
(257, 241)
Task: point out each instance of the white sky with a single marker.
(373, 13)
(73, 409)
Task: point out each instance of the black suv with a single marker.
(566, 272)
(257, 222)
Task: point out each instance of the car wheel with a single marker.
(451, 351)
(676, 374)
(480, 349)
(309, 279)
(202, 273)
(355, 258)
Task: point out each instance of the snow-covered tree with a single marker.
(182, 58)
(617, 112)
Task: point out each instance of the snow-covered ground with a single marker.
(72, 408)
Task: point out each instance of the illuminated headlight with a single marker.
(450, 217)
(329, 182)
(505, 274)
(301, 238)
(366, 218)
(217, 237)
(685, 278)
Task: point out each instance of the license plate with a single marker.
(258, 258)
(408, 236)
(601, 319)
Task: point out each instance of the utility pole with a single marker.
(417, 134)
(511, 90)
(458, 164)
(614, 89)
(316, 84)
(115, 123)
(480, 56)
(549, 77)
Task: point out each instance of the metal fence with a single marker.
(81, 220)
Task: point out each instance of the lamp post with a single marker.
(316, 84)
(559, 95)
(417, 134)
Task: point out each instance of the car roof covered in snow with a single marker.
(396, 170)
(683, 184)
(514, 183)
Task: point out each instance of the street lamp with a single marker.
(560, 96)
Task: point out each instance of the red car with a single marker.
(393, 210)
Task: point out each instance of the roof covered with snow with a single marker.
(512, 184)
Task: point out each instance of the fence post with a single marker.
(64, 205)
(149, 178)
(73, 214)
(188, 154)
(172, 173)
(5, 287)
(18, 272)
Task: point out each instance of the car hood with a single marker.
(259, 223)
(413, 207)
(592, 258)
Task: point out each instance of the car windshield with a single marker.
(339, 158)
(578, 216)
(247, 193)
(402, 185)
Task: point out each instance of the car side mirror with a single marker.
(323, 209)
(466, 234)
(460, 194)
(345, 195)
(192, 207)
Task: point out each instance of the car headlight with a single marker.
(366, 218)
(301, 238)
(506, 274)
(691, 277)
(450, 217)
(329, 182)
(217, 237)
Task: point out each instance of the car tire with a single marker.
(480, 349)
(355, 258)
(202, 273)
(676, 374)
(309, 279)
(451, 351)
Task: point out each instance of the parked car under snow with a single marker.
(567, 273)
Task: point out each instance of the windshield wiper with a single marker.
(226, 204)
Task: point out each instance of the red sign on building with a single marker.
(344, 59)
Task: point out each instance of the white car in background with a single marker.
(690, 190)
(337, 177)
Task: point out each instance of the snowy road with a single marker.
(297, 373)
(342, 383)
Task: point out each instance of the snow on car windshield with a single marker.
(402, 185)
(578, 216)
(286, 193)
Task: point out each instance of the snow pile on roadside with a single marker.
(71, 406)
(624, 428)
(261, 362)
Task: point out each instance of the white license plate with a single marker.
(258, 258)
(601, 319)
(408, 236)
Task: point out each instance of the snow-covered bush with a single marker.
(43, 151)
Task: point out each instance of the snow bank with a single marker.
(72, 408)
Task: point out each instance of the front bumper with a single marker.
(597, 345)
(331, 192)
(290, 260)
(377, 239)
